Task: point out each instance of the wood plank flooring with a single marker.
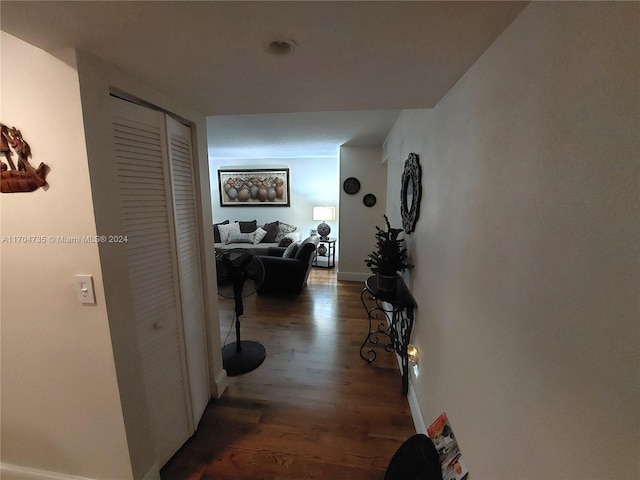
(314, 409)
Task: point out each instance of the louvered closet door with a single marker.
(145, 202)
(188, 249)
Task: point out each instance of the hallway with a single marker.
(314, 408)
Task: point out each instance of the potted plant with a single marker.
(389, 258)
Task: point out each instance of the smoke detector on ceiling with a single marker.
(281, 47)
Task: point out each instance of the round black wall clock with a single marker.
(351, 185)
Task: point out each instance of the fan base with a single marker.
(250, 358)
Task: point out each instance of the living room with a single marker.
(316, 150)
(525, 252)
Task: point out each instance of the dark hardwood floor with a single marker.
(314, 409)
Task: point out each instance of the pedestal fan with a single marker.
(240, 274)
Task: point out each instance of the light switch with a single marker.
(84, 287)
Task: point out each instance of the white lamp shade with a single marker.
(324, 214)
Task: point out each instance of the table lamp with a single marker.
(324, 214)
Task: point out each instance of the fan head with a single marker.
(239, 271)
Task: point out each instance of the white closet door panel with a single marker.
(188, 251)
(141, 158)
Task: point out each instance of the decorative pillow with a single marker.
(227, 229)
(294, 236)
(216, 232)
(283, 229)
(248, 227)
(272, 231)
(258, 235)
(285, 242)
(291, 250)
(240, 238)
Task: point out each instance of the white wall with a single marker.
(527, 248)
(314, 182)
(69, 408)
(61, 408)
(357, 228)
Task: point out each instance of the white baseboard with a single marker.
(18, 472)
(416, 413)
(414, 406)
(153, 473)
(352, 276)
(221, 382)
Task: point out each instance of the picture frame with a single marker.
(254, 187)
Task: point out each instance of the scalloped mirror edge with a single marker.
(411, 192)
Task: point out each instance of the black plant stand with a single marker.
(390, 315)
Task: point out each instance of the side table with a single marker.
(328, 260)
(390, 315)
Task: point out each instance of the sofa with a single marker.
(270, 238)
(286, 272)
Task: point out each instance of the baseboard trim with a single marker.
(412, 398)
(352, 276)
(221, 382)
(416, 413)
(18, 472)
(153, 473)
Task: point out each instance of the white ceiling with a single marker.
(355, 56)
(295, 135)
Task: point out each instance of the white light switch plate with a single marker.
(84, 289)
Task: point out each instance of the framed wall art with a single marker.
(243, 187)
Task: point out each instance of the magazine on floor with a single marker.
(451, 461)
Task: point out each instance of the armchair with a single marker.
(288, 275)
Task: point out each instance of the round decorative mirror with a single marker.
(410, 193)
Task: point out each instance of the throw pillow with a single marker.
(272, 231)
(285, 242)
(248, 227)
(227, 229)
(291, 250)
(283, 229)
(258, 235)
(240, 238)
(294, 236)
(216, 231)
